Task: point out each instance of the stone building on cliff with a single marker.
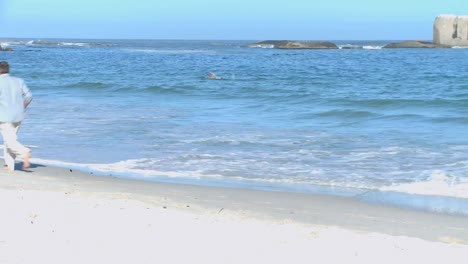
(451, 30)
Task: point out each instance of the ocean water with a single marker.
(381, 125)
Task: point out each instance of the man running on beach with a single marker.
(14, 98)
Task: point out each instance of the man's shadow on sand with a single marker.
(19, 167)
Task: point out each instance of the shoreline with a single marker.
(68, 211)
(438, 195)
(282, 204)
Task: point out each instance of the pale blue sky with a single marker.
(225, 19)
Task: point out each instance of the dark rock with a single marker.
(5, 49)
(268, 44)
(286, 44)
(414, 44)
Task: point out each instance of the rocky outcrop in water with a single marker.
(414, 44)
(286, 44)
(5, 49)
(451, 30)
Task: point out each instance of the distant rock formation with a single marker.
(286, 44)
(451, 30)
(4, 47)
(414, 44)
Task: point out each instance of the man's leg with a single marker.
(12, 145)
(8, 155)
(9, 158)
(26, 155)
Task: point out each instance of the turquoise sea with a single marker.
(380, 125)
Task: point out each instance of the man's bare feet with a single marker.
(26, 158)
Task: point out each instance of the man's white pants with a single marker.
(11, 145)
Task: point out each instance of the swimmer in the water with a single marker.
(213, 76)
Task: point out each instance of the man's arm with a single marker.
(26, 103)
(27, 95)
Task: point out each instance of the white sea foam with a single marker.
(366, 47)
(439, 184)
(369, 47)
(140, 169)
(8, 43)
(72, 44)
(349, 46)
(263, 46)
(133, 168)
(60, 43)
(170, 51)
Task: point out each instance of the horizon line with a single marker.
(209, 39)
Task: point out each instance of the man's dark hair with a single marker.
(4, 67)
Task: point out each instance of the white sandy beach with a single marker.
(58, 215)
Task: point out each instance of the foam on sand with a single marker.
(439, 184)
